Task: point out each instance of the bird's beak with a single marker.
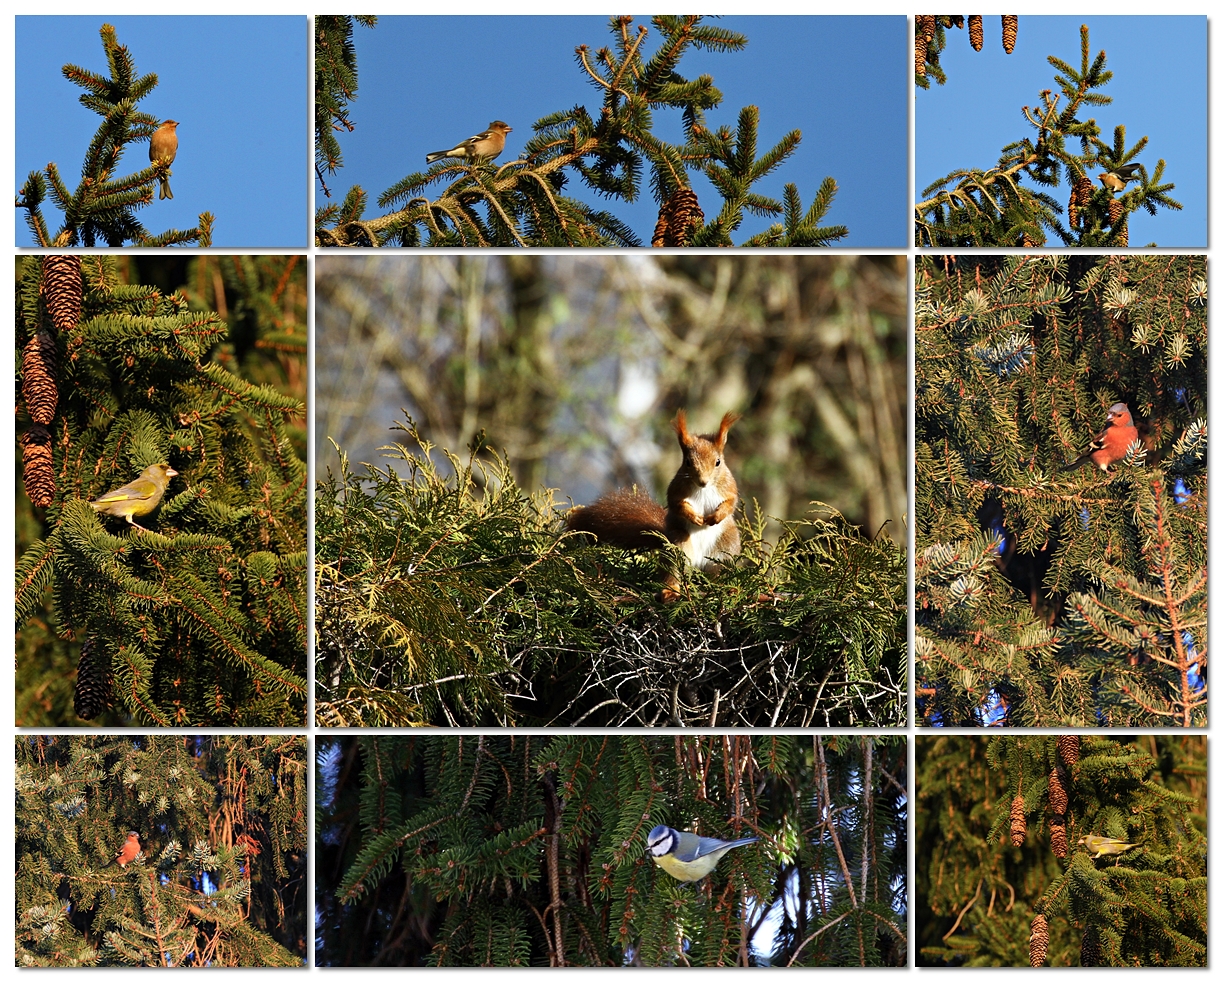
(171, 472)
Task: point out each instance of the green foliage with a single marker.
(202, 619)
(977, 893)
(102, 209)
(222, 822)
(337, 84)
(992, 207)
(523, 202)
(530, 850)
(453, 597)
(1049, 598)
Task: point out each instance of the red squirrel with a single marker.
(699, 513)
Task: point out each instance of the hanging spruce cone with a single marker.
(1091, 947)
(1039, 939)
(1069, 751)
(975, 32)
(928, 27)
(957, 21)
(1059, 838)
(1016, 819)
(1009, 23)
(1116, 211)
(38, 378)
(1081, 192)
(93, 693)
(38, 469)
(1031, 240)
(63, 289)
(661, 227)
(1056, 793)
(920, 51)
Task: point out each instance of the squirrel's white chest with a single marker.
(698, 547)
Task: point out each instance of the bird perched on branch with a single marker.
(1116, 179)
(1100, 845)
(139, 497)
(686, 855)
(129, 850)
(486, 144)
(1112, 443)
(162, 147)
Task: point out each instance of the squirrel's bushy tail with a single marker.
(623, 518)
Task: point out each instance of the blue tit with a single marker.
(686, 855)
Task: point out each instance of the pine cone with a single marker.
(1116, 211)
(928, 27)
(1056, 793)
(1081, 192)
(1069, 751)
(38, 469)
(38, 378)
(93, 692)
(1009, 23)
(975, 32)
(957, 21)
(63, 289)
(1091, 947)
(1039, 939)
(1059, 838)
(920, 53)
(1017, 819)
(661, 227)
(1028, 240)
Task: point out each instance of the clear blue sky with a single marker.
(239, 87)
(1160, 89)
(428, 82)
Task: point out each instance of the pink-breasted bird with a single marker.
(486, 144)
(162, 147)
(129, 850)
(1111, 445)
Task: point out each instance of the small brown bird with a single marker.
(488, 144)
(1116, 179)
(1112, 443)
(129, 850)
(162, 147)
(139, 497)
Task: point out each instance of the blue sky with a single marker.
(428, 82)
(1160, 89)
(239, 87)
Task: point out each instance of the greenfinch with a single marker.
(137, 498)
(1100, 845)
(162, 147)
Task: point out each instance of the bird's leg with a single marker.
(137, 525)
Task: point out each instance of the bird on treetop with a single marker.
(163, 144)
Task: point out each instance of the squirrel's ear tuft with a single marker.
(681, 428)
(728, 421)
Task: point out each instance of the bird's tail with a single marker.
(435, 156)
(1079, 462)
(164, 189)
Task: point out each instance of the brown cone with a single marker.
(1039, 939)
(92, 695)
(1056, 793)
(678, 218)
(1016, 819)
(928, 26)
(38, 378)
(975, 32)
(1009, 23)
(1116, 211)
(1091, 947)
(1059, 838)
(661, 227)
(1069, 751)
(1081, 192)
(63, 289)
(38, 469)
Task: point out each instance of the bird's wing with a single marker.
(141, 488)
(708, 846)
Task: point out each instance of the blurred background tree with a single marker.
(222, 822)
(999, 821)
(575, 367)
(195, 361)
(530, 850)
(1045, 597)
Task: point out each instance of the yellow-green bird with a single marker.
(137, 498)
(1100, 845)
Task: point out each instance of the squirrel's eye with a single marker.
(717, 462)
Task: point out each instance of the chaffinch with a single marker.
(162, 147)
(139, 497)
(1112, 443)
(1116, 179)
(487, 144)
(128, 852)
